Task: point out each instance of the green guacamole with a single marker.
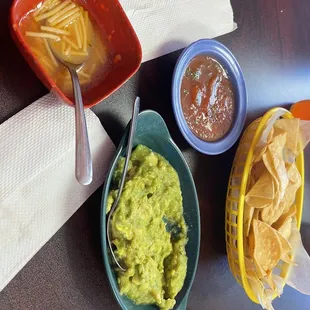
(148, 230)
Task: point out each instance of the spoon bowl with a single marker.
(77, 59)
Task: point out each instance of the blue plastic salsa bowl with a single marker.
(220, 53)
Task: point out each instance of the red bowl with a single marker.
(112, 21)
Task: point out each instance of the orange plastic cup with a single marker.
(301, 109)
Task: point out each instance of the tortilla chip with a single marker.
(290, 195)
(259, 151)
(278, 131)
(263, 188)
(256, 214)
(279, 282)
(267, 298)
(261, 273)
(247, 218)
(251, 243)
(286, 247)
(249, 264)
(291, 126)
(277, 162)
(293, 174)
(258, 289)
(269, 280)
(278, 142)
(284, 218)
(286, 229)
(276, 167)
(271, 214)
(286, 250)
(258, 169)
(251, 274)
(258, 202)
(284, 224)
(266, 245)
(270, 135)
(268, 163)
(251, 180)
(259, 154)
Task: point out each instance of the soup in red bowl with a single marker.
(98, 29)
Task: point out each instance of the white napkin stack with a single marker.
(38, 190)
(164, 26)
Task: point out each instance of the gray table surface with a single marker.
(272, 44)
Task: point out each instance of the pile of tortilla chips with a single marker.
(269, 210)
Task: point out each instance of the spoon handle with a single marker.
(132, 130)
(83, 162)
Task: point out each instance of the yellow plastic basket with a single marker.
(235, 199)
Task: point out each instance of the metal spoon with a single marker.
(132, 130)
(83, 162)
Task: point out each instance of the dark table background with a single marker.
(272, 45)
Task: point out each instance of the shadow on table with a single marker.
(211, 176)
(19, 85)
(305, 233)
(155, 78)
(84, 252)
(113, 127)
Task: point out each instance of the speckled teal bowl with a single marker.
(152, 132)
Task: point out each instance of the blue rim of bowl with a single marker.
(224, 56)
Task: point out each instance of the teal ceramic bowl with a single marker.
(152, 132)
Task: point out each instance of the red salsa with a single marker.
(207, 98)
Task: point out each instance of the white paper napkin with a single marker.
(164, 26)
(38, 190)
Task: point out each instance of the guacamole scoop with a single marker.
(148, 229)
